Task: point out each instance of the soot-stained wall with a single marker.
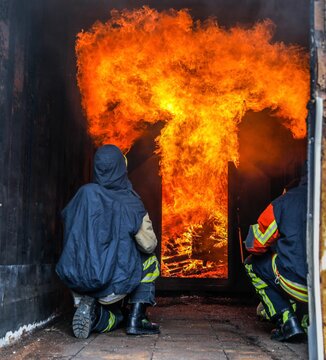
(44, 157)
(45, 153)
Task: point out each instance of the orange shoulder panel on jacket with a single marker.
(263, 234)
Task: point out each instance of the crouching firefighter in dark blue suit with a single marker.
(277, 267)
(108, 251)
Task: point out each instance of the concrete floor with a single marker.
(192, 328)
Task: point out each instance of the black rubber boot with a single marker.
(84, 317)
(289, 330)
(138, 324)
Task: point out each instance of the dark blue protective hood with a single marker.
(99, 256)
(110, 169)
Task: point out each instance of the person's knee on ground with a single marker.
(108, 318)
(262, 313)
(274, 306)
(91, 316)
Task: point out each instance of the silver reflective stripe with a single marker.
(264, 237)
(150, 277)
(149, 262)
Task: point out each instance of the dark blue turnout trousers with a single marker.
(272, 294)
(111, 316)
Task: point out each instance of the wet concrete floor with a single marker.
(192, 328)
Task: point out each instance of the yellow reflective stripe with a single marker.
(256, 281)
(264, 315)
(274, 265)
(295, 286)
(264, 237)
(297, 291)
(285, 316)
(149, 262)
(298, 287)
(267, 302)
(153, 275)
(149, 278)
(111, 322)
(260, 285)
(294, 293)
(304, 322)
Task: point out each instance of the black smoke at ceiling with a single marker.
(291, 17)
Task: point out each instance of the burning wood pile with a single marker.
(200, 252)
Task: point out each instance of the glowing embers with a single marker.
(200, 251)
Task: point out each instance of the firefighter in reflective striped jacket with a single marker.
(277, 267)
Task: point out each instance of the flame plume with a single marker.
(142, 66)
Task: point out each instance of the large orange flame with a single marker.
(143, 66)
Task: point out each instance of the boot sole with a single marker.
(131, 331)
(82, 320)
(295, 337)
(300, 337)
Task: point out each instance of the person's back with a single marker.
(100, 254)
(101, 258)
(290, 213)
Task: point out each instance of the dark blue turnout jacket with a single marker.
(99, 256)
(282, 228)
